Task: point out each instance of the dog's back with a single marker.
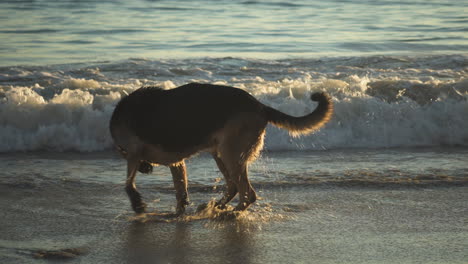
(184, 117)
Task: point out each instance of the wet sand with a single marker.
(294, 225)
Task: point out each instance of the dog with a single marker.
(152, 126)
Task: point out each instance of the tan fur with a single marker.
(297, 132)
(313, 123)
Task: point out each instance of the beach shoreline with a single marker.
(88, 220)
(331, 226)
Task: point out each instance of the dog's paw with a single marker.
(139, 208)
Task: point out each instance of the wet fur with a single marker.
(164, 127)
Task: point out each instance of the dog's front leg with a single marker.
(135, 198)
(179, 176)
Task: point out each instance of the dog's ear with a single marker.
(145, 167)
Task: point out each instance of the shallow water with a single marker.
(360, 167)
(366, 206)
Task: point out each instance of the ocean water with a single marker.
(385, 181)
(43, 32)
(397, 71)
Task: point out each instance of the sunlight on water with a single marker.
(259, 214)
(38, 32)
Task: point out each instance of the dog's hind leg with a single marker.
(247, 195)
(237, 172)
(239, 144)
(135, 198)
(231, 185)
(179, 176)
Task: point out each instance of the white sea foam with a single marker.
(378, 102)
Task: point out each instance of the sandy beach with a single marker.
(86, 221)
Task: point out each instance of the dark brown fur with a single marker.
(155, 126)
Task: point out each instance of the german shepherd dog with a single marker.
(152, 126)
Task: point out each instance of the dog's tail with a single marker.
(304, 124)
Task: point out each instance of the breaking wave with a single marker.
(379, 101)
